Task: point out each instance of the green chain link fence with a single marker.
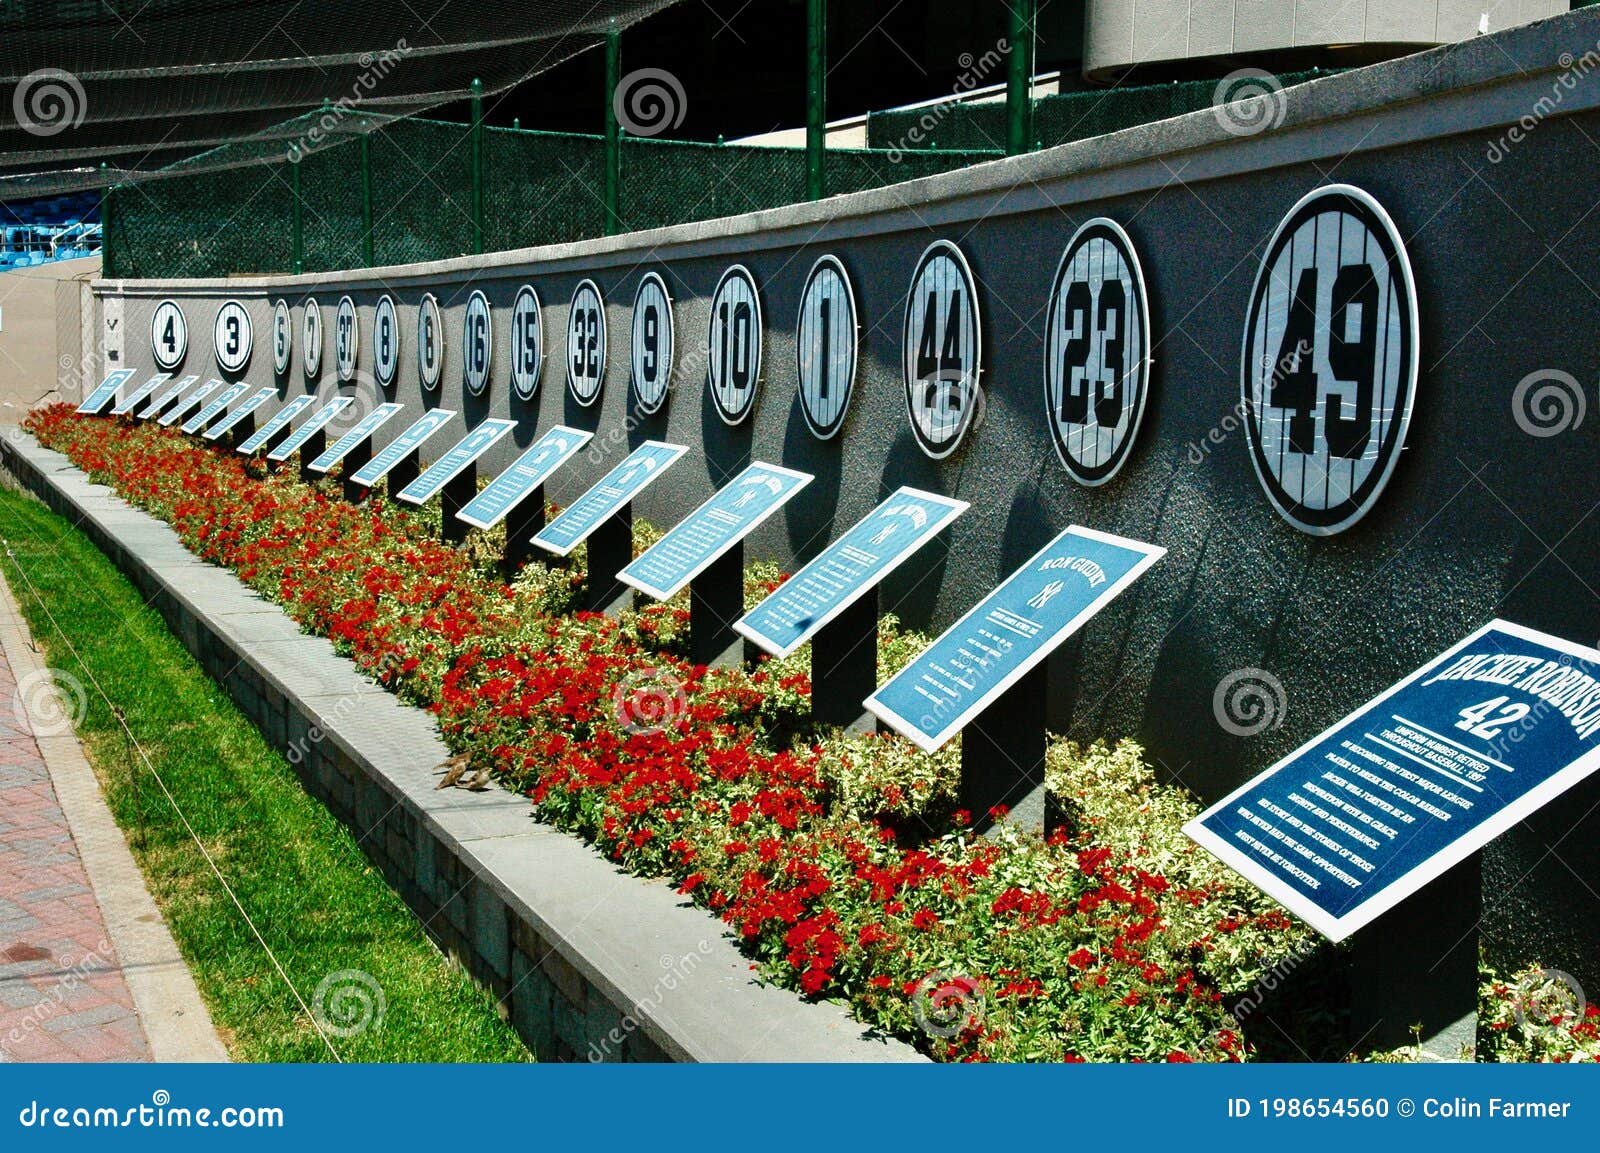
(1056, 119)
(538, 188)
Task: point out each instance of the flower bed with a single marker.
(839, 861)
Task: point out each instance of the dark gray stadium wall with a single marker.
(1480, 519)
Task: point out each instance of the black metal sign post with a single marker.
(402, 474)
(844, 665)
(716, 600)
(525, 519)
(457, 491)
(243, 429)
(610, 549)
(313, 447)
(352, 463)
(1002, 755)
(1417, 966)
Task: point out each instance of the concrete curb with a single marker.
(589, 962)
(175, 1020)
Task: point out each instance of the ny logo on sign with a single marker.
(1330, 359)
(941, 349)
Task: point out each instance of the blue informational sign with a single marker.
(139, 395)
(468, 449)
(211, 411)
(319, 420)
(532, 469)
(262, 395)
(608, 497)
(189, 403)
(346, 444)
(1010, 631)
(402, 446)
(1362, 816)
(165, 398)
(103, 393)
(280, 420)
(850, 566)
(692, 544)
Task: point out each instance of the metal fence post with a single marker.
(816, 98)
(477, 165)
(297, 231)
(1019, 78)
(366, 202)
(108, 262)
(613, 137)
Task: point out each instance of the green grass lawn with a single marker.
(320, 906)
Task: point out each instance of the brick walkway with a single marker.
(62, 994)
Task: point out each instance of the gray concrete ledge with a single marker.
(588, 962)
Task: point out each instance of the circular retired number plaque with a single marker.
(430, 342)
(346, 339)
(652, 344)
(1330, 359)
(232, 336)
(586, 343)
(1096, 352)
(734, 373)
(169, 335)
(825, 347)
(385, 341)
(941, 349)
(311, 339)
(527, 343)
(477, 344)
(282, 337)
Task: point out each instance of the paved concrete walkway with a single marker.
(88, 970)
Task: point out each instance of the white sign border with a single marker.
(1151, 554)
(952, 509)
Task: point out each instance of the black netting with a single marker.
(136, 86)
(232, 210)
